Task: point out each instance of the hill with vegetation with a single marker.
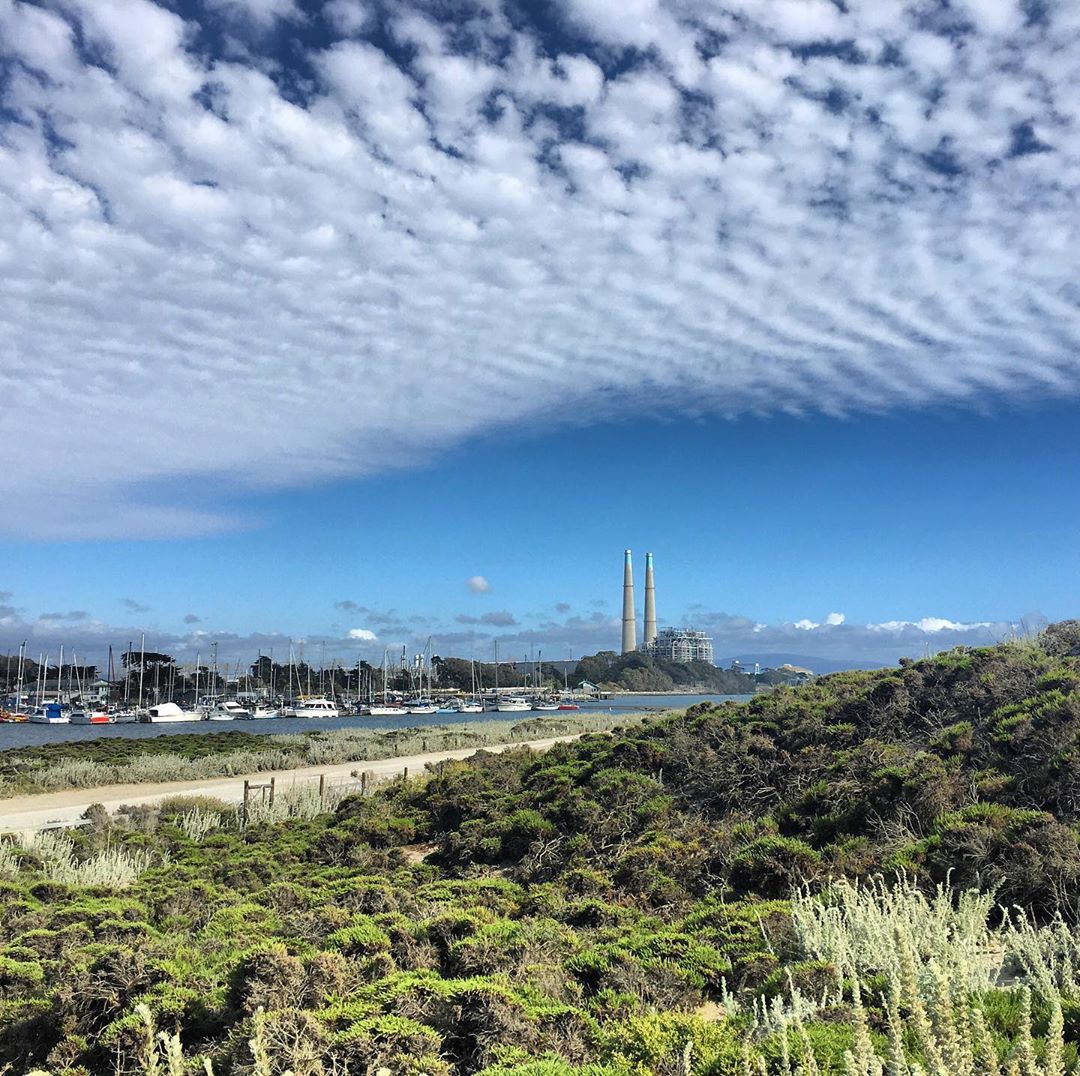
(681, 897)
(642, 672)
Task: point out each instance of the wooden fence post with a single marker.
(363, 783)
(322, 789)
(272, 780)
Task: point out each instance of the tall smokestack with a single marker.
(629, 620)
(650, 602)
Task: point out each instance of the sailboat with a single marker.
(387, 708)
(474, 704)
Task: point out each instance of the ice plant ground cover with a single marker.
(872, 873)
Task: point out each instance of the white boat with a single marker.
(471, 706)
(168, 713)
(49, 714)
(312, 708)
(228, 710)
(388, 710)
(513, 704)
(125, 717)
(91, 717)
(421, 706)
(261, 712)
(545, 706)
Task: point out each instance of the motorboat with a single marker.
(228, 710)
(166, 713)
(259, 713)
(513, 704)
(91, 717)
(569, 706)
(545, 705)
(421, 706)
(450, 708)
(312, 708)
(388, 710)
(50, 713)
(125, 717)
(471, 706)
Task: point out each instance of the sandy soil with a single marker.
(28, 813)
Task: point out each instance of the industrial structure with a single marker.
(682, 645)
(671, 644)
(650, 604)
(629, 619)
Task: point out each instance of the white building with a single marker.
(682, 645)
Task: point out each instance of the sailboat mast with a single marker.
(19, 677)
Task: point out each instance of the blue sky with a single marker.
(779, 521)
(312, 312)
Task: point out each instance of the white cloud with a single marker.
(834, 620)
(347, 16)
(929, 624)
(363, 634)
(263, 13)
(194, 243)
(478, 584)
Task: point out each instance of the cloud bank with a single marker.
(405, 231)
(835, 641)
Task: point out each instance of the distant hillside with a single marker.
(816, 664)
(640, 672)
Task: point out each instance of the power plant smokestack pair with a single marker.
(629, 618)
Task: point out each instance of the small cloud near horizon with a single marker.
(478, 584)
(363, 635)
(191, 618)
(133, 606)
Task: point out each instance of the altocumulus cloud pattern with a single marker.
(363, 221)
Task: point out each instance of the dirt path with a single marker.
(29, 813)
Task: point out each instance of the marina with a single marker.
(27, 734)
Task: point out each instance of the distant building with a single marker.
(681, 644)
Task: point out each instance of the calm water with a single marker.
(27, 735)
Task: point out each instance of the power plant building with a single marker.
(671, 644)
(681, 644)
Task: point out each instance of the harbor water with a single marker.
(30, 735)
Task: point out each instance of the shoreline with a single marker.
(33, 811)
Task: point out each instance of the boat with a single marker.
(421, 706)
(91, 717)
(451, 708)
(545, 705)
(569, 706)
(228, 710)
(471, 706)
(312, 708)
(125, 717)
(166, 713)
(261, 712)
(12, 716)
(389, 709)
(49, 713)
(513, 704)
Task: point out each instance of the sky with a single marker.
(361, 323)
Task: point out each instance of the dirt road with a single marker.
(29, 813)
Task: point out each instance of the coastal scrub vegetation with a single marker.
(875, 872)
